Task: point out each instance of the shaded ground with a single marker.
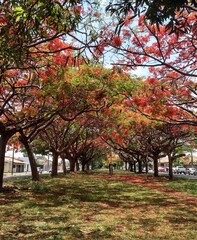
(157, 184)
(98, 206)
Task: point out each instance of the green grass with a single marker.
(88, 206)
(184, 185)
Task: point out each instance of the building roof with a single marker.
(18, 161)
(163, 160)
(188, 159)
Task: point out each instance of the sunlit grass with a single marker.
(88, 206)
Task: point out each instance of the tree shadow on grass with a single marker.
(81, 208)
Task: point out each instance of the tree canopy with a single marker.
(159, 12)
(51, 74)
(27, 24)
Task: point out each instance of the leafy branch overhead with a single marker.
(27, 24)
(158, 12)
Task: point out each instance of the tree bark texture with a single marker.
(54, 163)
(4, 137)
(32, 160)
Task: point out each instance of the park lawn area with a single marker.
(184, 185)
(98, 206)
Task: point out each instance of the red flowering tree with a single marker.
(26, 103)
(17, 110)
(58, 136)
(139, 140)
(26, 28)
(157, 12)
(166, 101)
(25, 25)
(79, 92)
(169, 56)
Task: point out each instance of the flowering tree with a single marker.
(25, 103)
(138, 139)
(25, 25)
(167, 51)
(170, 102)
(18, 111)
(172, 70)
(78, 92)
(58, 136)
(26, 28)
(158, 12)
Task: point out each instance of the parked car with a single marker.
(180, 170)
(191, 171)
(174, 169)
(161, 169)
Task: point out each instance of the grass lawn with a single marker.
(99, 206)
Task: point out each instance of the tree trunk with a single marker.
(77, 165)
(131, 166)
(87, 166)
(146, 165)
(110, 169)
(134, 165)
(64, 164)
(170, 168)
(83, 167)
(92, 165)
(4, 137)
(139, 166)
(35, 175)
(126, 166)
(72, 164)
(54, 164)
(155, 161)
(3, 142)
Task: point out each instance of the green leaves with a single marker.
(19, 14)
(27, 24)
(158, 12)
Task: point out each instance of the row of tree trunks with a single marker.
(131, 166)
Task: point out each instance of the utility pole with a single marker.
(192, 159)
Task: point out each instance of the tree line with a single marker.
(53, 83)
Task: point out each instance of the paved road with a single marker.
(8, 176)
(185, 176)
